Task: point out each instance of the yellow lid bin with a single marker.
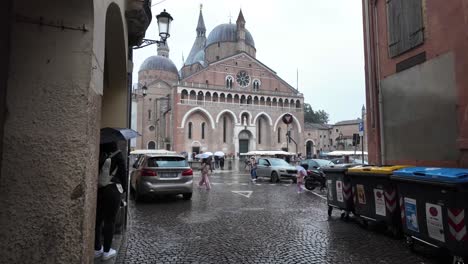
(382, 170)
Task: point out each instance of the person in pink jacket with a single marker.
(205, 170)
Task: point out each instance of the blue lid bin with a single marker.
(434, 204)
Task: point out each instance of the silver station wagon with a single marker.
(275, 169)
(161, 172)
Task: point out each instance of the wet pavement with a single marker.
(240, 222)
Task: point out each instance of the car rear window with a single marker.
(167, 162)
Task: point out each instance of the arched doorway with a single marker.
(309, 149)
(244, 141)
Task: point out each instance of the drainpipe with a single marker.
(380, 98)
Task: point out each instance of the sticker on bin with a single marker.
(361, 195)
(330, 190)
(456, 223)
(339, 191)
(347, 191)
(390, 200)
(411, 215)
(379, 202)
(435, 226)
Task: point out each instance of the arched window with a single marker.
(203, 130)
(260, 131)
(229, 80)
(256, 85)
(190, 130)
(279, 134)
(151, 145)
(224, 129)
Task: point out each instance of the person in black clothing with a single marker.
(221, 162)
(108, 201)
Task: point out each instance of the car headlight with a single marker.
(282, 170)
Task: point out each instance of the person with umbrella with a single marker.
(112, 182)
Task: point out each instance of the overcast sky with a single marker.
(323, 39)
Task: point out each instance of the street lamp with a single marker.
(164, 22)
(144, 90)
(363, 114)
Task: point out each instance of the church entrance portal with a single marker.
(244, 141)
(309, 149)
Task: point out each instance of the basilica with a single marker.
(222, 99)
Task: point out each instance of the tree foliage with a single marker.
(311, 116)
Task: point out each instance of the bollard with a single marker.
(230, 165)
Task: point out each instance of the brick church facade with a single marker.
(222, 99)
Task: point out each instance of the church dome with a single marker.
(228, 33)
(159, 63)
(199, 57)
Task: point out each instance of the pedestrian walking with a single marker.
(301, 173)
(253, 169)
(111, 183)
(221, 163)
(205, 171)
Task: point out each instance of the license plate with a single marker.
(168, 175)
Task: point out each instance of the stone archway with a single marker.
(245, 138)
(310, 149)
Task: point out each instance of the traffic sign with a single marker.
(361, 129)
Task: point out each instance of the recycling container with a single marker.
(376, 196)
(435, 208)
(339, 189)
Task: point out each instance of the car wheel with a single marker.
(274, 177)
(187, 196)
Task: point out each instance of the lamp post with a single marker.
(363, 114)
(164, 24)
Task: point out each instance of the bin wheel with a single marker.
(330, 209)
(460, 260)
(394, 231)
(363, 222)
(345, 216)
(410, 243)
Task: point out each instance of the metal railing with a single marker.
(193, 102)
(238, 90)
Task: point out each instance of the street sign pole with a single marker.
(361, 132)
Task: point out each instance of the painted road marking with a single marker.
(243, 193)
(319, 195)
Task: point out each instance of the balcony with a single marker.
(215, 104)
(223, 89)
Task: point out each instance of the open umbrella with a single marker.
(219, 153)
(204, 155)
(112, 134)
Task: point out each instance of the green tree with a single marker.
(311, 116)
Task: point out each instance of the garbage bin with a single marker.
(435, 208)
(339, 195)
(376, 196)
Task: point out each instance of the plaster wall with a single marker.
(445, 24)
(52, 132)
(419, 111)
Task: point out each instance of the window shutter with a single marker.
(394, 17)
(414, 23)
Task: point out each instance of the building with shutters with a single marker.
(222, 99)
(416, 82)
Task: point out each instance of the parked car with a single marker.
(161, 173)
(316, 163)
(351, 160)
(275, 169)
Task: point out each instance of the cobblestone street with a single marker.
(241, 222)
